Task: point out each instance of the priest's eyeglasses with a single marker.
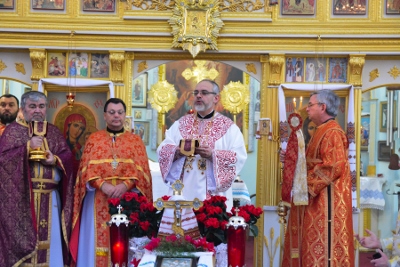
(112, 112)
(312, 104)
(203, 92)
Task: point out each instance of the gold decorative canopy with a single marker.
(195, 25)
(235, 97)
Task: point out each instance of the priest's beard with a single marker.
(202, 107)
(8, 117)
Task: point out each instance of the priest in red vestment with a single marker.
(114, 161)
(320, 234)
(35, 196)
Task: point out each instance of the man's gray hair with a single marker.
(33, 96)
(330, 99)
(215, 86)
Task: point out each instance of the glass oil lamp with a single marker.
(119, 239)
(236, 235)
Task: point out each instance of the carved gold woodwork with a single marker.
(196, 25)
(162, 97)
(200, 72)
(275, 64)
(142, 66)
(273, 246)
(394, 72)
(117, 60)
(373, 74)
(3, 66)
(235, 97)
(229, 6)
(250, 67)
(38, 57)
(356, 64)
(19, 67)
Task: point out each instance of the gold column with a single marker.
(128, 82)
(356, 64)
(268, 171)
(38, 57)
(117, 60)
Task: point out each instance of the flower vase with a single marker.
(221, 255)
(136, 248)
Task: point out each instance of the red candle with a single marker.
(236, 246)
(119, 243)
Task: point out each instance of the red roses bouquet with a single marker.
(144, 218)
(213, 218)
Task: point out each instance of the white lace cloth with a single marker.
(371, 196)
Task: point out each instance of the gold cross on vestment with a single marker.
(41, 185)
(177, 205)
(43, 223)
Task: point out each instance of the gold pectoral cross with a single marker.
(114, 163)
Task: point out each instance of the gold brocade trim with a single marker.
(34, 265)
(42, 185)
(102, 252)
(140, 168)
(44, 245)
(101, 161)
(44, 180)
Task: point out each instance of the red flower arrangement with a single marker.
(144, 218)
(213, 218)
(250, 214)
(172, 245)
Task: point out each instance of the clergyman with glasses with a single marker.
(205, 150)
(114, 161)
(317, 231)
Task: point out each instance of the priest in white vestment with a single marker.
(211, 167)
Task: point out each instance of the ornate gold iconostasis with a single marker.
(130, 46)
(268, 71)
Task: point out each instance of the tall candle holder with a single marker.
(119, 239)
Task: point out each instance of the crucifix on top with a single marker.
(200, 72)
(177, 203)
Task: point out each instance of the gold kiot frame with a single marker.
(196, 25)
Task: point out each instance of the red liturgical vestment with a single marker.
(324, 228)
(114, 159)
